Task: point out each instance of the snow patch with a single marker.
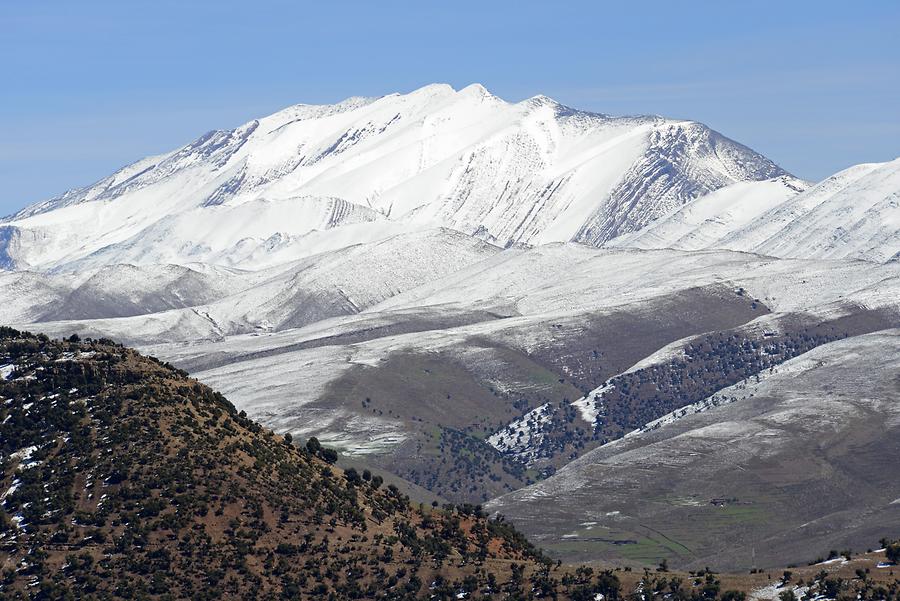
(521, 437)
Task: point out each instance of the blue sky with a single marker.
(90, 86)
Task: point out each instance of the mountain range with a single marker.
(314, 178)
(519, 304)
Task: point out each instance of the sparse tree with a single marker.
(787, 595)
(892, 552)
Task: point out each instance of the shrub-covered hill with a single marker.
(123, 478)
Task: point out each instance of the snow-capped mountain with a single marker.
(314, 178)
(854, 214)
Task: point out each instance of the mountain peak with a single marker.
(432, 89)
(541, 99)
(476, 89)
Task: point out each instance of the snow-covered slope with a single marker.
(346, 281)
(566, 278)
(704, 222)
(369, 168)
(173, 302)
(113, 291)
(26, 296)
(854, 214)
